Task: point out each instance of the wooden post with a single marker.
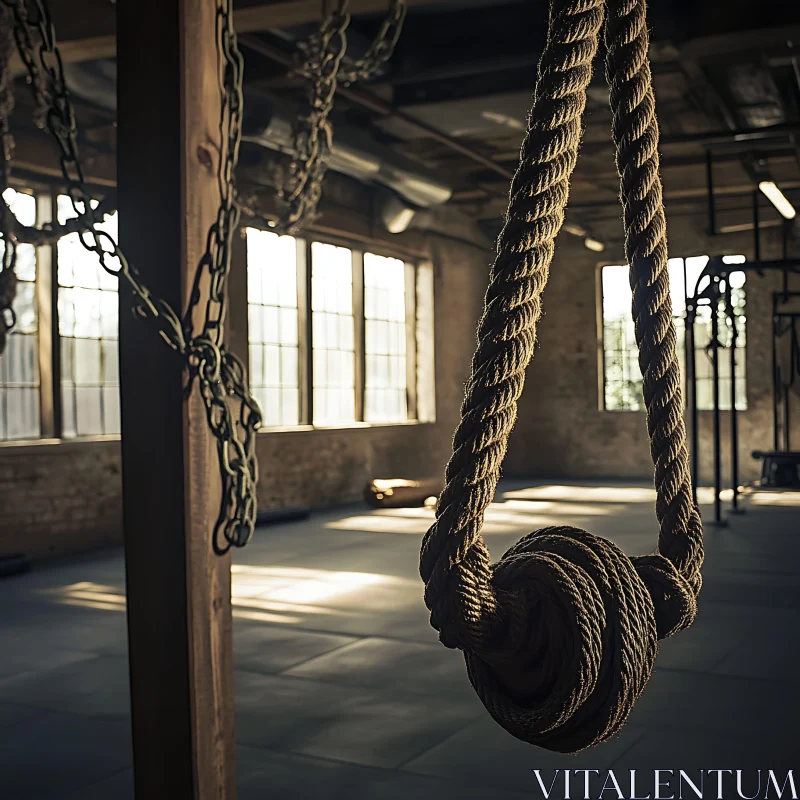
(179, 612)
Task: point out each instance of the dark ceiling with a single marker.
(726, 76)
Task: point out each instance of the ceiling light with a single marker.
(575, 230)
(778, 199)
(594, 244)
(401, 221)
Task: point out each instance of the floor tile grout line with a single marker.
(320, 631)
(356, 641)
(406, 688)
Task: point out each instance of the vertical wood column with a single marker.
(179, 612)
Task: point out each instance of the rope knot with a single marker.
(560, 636)
(580, 624)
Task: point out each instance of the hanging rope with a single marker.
(560, 636)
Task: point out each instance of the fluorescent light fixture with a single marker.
(594, 244)
(575, 230)
(400, 221)
(778, 199)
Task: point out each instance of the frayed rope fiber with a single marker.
(560, 636)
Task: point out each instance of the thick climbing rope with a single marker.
(560, 636)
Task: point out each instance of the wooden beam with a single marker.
(85, 30)
(179, 610)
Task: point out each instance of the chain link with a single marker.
(381, 49)
(312, 133)
(322, 61)
(219, 373)
(8, 277)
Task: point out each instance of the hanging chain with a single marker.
(312, 133)
(381, 49)
(8, 277)
(220, 374)
(323, 63)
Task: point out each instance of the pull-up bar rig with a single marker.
(718, 288)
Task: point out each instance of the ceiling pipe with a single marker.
(373, 103)
(377, 105)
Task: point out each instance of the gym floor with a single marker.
(343, 690)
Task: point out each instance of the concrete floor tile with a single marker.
(54, 755)
(378, 663)
(290, 777)
(117, 787)
(763, 713)
(94, 686)
(381, 728)
(260, 647)
(484, 754)
(29, 661)
(692, 750)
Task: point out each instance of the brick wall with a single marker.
(60, 497)
(561, 430)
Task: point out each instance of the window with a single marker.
(273, 318)
(88, 316)
(19, 364)
(702, 334)
(385, 339)
(333, 340)
(622, 380)
(338, 336)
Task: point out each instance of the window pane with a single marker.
(385, 339)
(88, 321)
(272, 303)
(332, 325)
(19, 364)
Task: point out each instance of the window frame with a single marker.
(306, 337)
(51, 422)
(46, 290)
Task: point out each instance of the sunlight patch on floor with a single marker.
(592, 494)
(266, 594)
(510, 516)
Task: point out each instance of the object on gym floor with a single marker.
(14, 564)
(401, 492)
(779, 470)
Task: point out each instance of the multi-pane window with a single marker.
(334, 333)
(385, 339)
(333, 340)
(88, 317)
(273, 324)
(622, 379)
(19, 366)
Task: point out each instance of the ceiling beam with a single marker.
(86, 31)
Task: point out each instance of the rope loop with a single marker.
(560, 636)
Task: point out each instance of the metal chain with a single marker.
(312, 133)
(323, 63)
(381, 49)
(8, 277)
(220, 374)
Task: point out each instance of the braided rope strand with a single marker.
(560, 636)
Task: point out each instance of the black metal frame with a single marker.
(718, 289)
